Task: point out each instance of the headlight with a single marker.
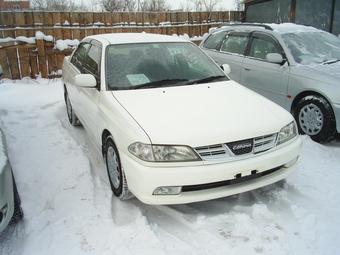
(163, 153)
(287, 133)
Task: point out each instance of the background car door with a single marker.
(268, 79)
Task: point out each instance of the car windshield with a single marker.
(149, 65)
(313, 47)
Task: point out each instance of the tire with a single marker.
(72, 117)
(18, 212)
(115, 171)
(315, 117)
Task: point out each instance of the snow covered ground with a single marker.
(69, 208)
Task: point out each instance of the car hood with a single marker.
(203, 114)
(324, 73)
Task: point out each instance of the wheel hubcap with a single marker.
(113, 167)
(311, 119)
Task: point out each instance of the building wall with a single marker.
(276, 11)
(322, 14)
(336, 19)
(17, 5)
(315, 13)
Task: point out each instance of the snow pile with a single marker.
(65, 44)
(41, 36)
(69, 207)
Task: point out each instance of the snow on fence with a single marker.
(23, 54)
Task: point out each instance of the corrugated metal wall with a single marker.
(276, 11)
(322, 14)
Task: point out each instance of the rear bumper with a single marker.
(143, 179)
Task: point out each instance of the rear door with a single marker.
(268, 79)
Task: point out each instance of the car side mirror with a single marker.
(226, 69)
(1, 71)
(275, 58)
(85, 80)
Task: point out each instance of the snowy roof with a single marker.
(292, 28)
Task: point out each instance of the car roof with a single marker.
(125, 38)
(282, 28)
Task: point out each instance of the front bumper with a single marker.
(144, 178)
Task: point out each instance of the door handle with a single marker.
(247, 69)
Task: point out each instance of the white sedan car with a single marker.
(171, 125)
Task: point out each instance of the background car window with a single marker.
(92, 61)
(235, 44)
(214, 39)
(79, 55)
(260, 47)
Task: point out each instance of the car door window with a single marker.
(214, 39)
(261, 45)
(235, 44)
(78, 57)
(92, 62)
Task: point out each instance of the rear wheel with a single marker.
(115, 172)
(315, 117)
(72, 117)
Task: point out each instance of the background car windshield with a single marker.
(131, 65)
(313, 48)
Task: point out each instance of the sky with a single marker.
(225, 4)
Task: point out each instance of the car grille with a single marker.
(248, 147)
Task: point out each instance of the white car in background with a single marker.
(171, 125)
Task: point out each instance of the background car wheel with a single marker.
(18, 212)
(315, 117)
(115, 172)
(72, 117)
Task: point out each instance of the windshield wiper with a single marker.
(208, 79)
(330, 61)
(160, 83)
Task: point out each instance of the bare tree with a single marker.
(238, 5)
(210, 5)
(129, 5)
(156, 5)
(187, 6)
(58, 5)
(112, 5)
(197, 5)
(38, 4)
(118, 5)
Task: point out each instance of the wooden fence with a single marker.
(20, 57)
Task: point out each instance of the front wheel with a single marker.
(115, 172)
(315, 117)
